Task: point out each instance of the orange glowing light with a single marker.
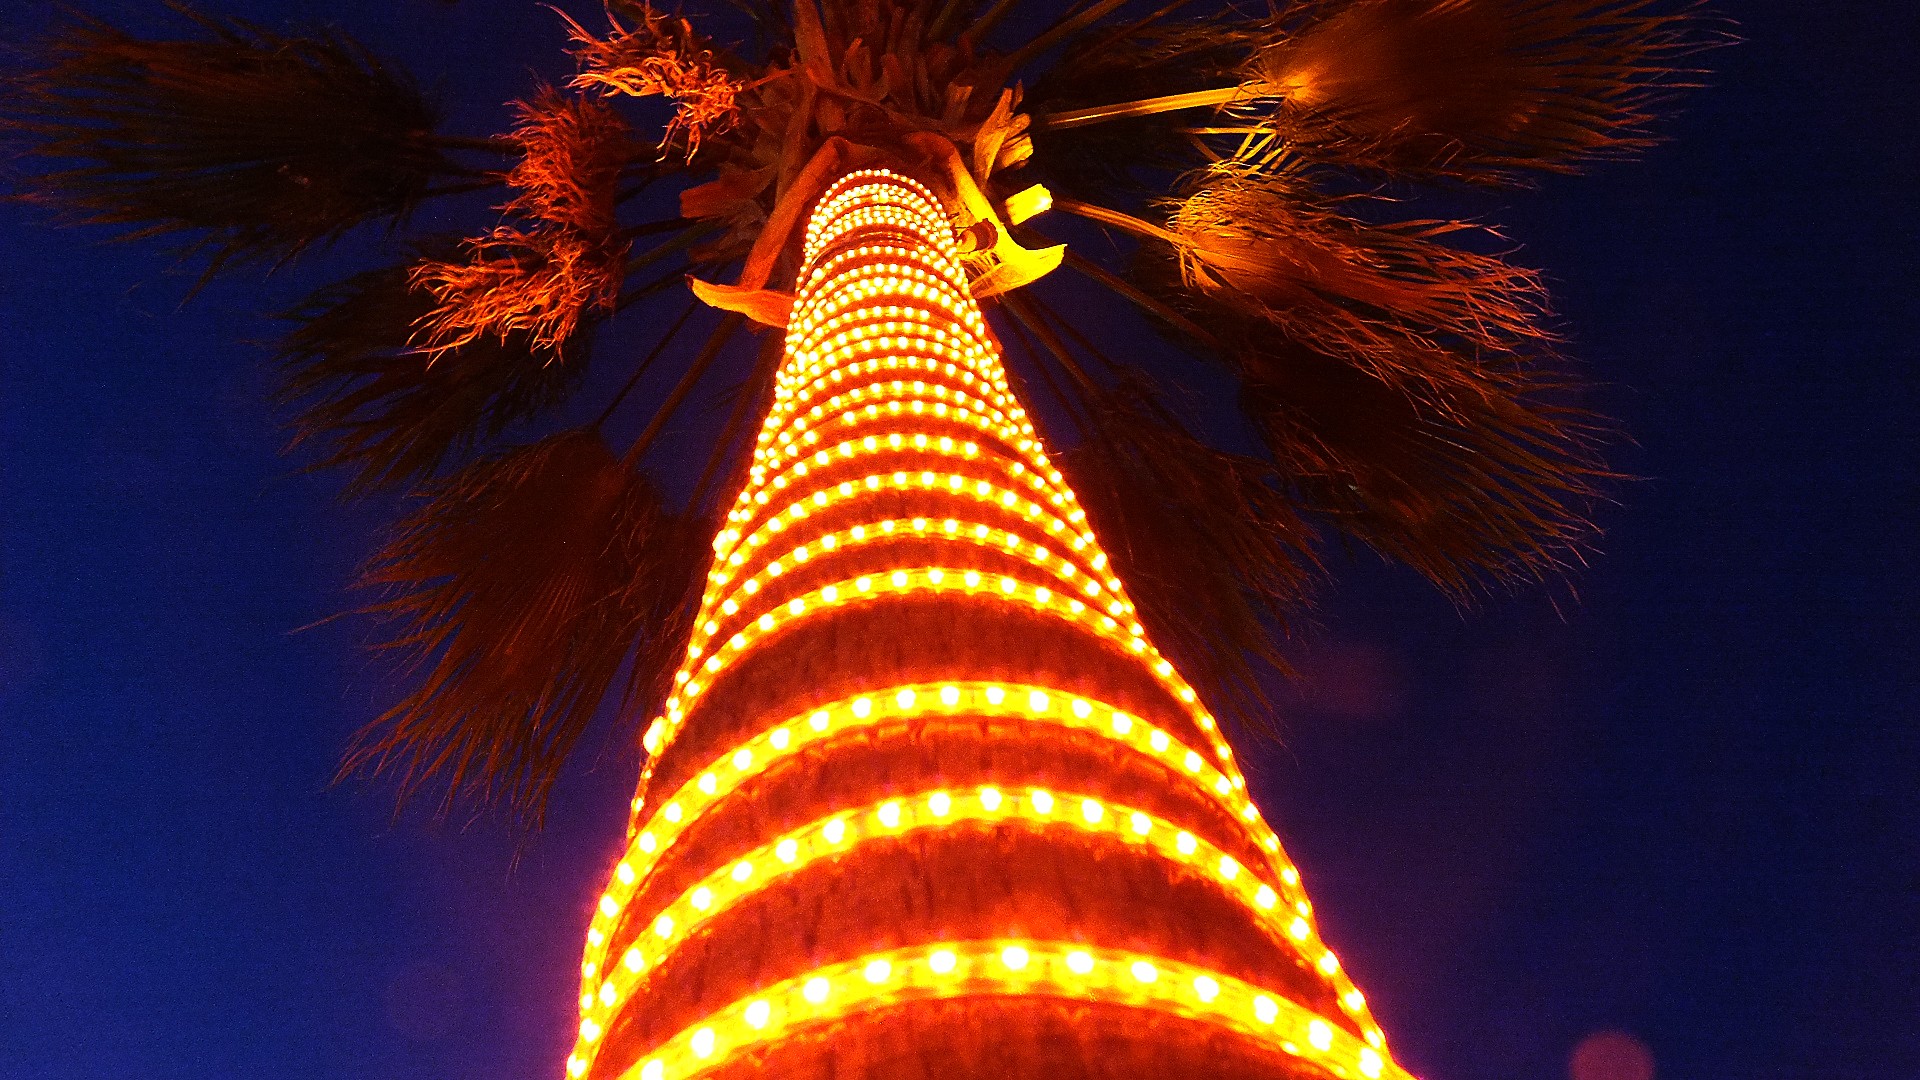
(896, 467)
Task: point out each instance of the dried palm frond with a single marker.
(571, 259)
(537, 282)
(1391, 297)
(386, 410)
(660, 55)
(1211, 548)
(263, 142)
(573, 151)
(1476, 486)
(1475, 88)
(520, 590)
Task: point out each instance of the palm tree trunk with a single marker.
(926, 801)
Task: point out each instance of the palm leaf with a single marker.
(1476, 89)
(520, 590)
(1470, 485)
(390, 413)
(1213, 551)
(262, 143)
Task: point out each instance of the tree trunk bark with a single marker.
(925, 800)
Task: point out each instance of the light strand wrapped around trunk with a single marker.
(925, 800)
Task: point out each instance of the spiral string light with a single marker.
(896, 471)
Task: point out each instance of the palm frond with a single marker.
(1393, 297)
(1216, 556)
(520, 590)
(388, 412)
(569, 262)
(1476, 89)
(1473, 485)
(263, 143)
(660, 55)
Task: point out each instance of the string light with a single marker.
(893, 422)
(1016, 967)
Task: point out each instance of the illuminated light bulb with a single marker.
(973, 579)
(648, 842)
(1185, 843)
(950, 696)
(1205, 987)
(781, 738)
(816, 990)
(742, 870)
(939, 803)
(1122, 723)
(1266, 898)
(1042, 594)
(942, 961)
(835, 831)
(1298, 930)
(1353, 1000)
(766, 622)
(904, 699)
(709, 784)
(1144, 971)
(877, 971)
(594, 936)
(1037, 701)
(830, 594)
(1329, 964)
(702, 1043)
(609, 906)
(1081, 709)
(787, 850)
(990, 798)
(1290, 875)
(863, 707)
(589, 1031)
(1229, 869)
(1158, 740)
(1007, 585)
(995, 695)
(890, 814)
(576, 1065)
(1042, 801)
(1092, 811)
(608, 993)
(818, 721)
(1320, 1035)
(634, 960)
(757, 1014)
(1014, 957)
(863, 583)
(1265, 1010)
(1080, 962)
(702, 898)
(654, 1070)
(899, 579)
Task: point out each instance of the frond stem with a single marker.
(1060, 31)
(634, 379)
(1099, 114)
(498, 144)
(1124, 222)
(718, 340)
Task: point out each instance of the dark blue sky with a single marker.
(1685, 806)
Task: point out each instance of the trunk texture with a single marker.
(926, 802)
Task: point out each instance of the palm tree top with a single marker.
(1254, 182)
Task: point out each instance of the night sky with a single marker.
(1683, 804)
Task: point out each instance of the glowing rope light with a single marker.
(1017, 967)
(923, 812)
(892, 390)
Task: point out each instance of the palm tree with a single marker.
(927, 788)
